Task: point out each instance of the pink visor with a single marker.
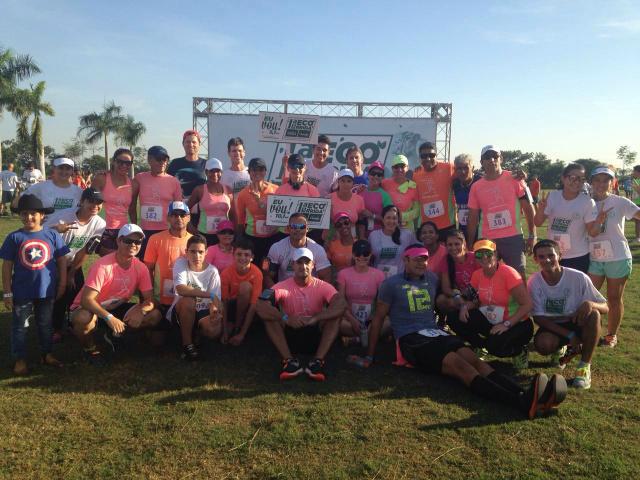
(416, 252)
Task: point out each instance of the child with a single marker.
(30, 253)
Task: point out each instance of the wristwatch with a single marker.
(507, 324)
(144, 312)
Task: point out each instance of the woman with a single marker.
(339, 252)
(567, 210)
(497, 319)
(375, 199)
(78, 179)
(403, 192)
(428, 235)
(610, 256)
(355, 158)
(215, 201)
(251, 204)
(456, 269)
(220, 255)
(359, 284)
(345, 201)
(117, 190)
(388, 244)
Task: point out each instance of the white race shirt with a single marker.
(387, 254)
(9, 180)
(324, 179)
(208, 281)
(611, 244)
(76, 239)
(567, 223)
(281, 253)
(32, 177)
(236, 181)
(53, 196)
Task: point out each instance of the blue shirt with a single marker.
(361, 179)
(411, 301)
(34, 257)
(461, 193)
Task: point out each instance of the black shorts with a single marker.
(303, 340)
(199, 315)
(427, 353)
(109, 237)
(578, 263)
(119, 312)
(569, 325)
(7, 196)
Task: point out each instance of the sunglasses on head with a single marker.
(131, 241)
(486, 254)
(124, 162)
(376, 174)
(226, 232)
(428, 155)
(298, 226)
(362, 254)
(346, 223)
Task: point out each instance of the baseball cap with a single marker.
(157, 151)
(361, 246)
(398, 159)
(190, 132)
(63, 161)
(295, 159)
(257, 163)
(605, 170)
(345, 173)
(225, 225)
(484, 245)
(92, 194)
(128, 229)
(173, 206)
(376, 165)
(338, 216)
(490, 148)
(302, 252)
(213, 164)
(415, 252)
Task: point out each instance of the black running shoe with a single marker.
(315, 369)
(94, 358)
(114, 342)
(189, 353)
(532, 401)
(554, 394)
(290, 368)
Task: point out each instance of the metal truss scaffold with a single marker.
(440, 112)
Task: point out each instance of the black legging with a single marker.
(61, 306)
(476, 332)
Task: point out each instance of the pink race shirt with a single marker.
(114, 285)
(218, 258)
(497, 290)
(156, 193)
(464, 271)
(351, 207)
(498, 200)
(303, 301)
(116, 202)
(361, 288)
(306, 190)
(434, 262)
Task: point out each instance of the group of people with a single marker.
(415, 257)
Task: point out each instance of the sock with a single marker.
(584, 365)
(505, 382)
(484, 387)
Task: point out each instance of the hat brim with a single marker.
(46, 211)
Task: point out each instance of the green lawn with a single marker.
(151, 415)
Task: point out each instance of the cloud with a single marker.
(624, 26)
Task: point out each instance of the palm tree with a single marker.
(29, 104)
(130, 134)
(74, 149)
(97, 125)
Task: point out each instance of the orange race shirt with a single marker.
(435, 192)
(249, 212)
(163, 250)
(340, 255)
(231, 279)
(401, 200)
(534, 187)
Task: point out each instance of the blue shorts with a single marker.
(615, 269)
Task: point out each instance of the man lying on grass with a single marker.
(408, 299)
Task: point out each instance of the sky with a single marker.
(558, 77)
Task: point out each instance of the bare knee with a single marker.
(186, 305)
(546, 343)
(82, 320)
(245, 289)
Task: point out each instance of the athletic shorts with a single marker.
(199, 315)
(569, 325)
(8, 196)
(511, 250)
(119, 312)
(615, 269)
(577, 263)
(303, 340)
(427, 353)
(109, 238)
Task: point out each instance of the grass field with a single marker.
(152, 415)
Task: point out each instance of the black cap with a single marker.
(92, 194)
(295, 159)
(31, 202)
(157, 151)
(257, 163)
(361, 246)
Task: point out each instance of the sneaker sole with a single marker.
(287, 375)
(319, 377)
(537, 409)
(558, 394)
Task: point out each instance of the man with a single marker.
(32, 175)
(534, 188)
(302, 299)
(318, 172)
(9, 185)
(156, 190)
(163, 249)
(294, 183)
(465, 177)
(110, 284)
(241, 286)
(280, 257)
(236, 177)
(500, 196)
(408, 299)
(567, 308)
(434, 182)
(627, 187)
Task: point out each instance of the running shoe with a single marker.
(50, 361)
(481, 353)
(94, 358)
(115, 342)
(557, 356)
(521, 361)
(531, 401)
(290, 368)
(315, 369)
(569, 355)
(20, 368)
(554, 394)
(349, 341)
(582, 378)
(189, 353)
(608, 341)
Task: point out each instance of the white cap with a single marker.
(302, 252)
(128, 229)
(345, 173)
(213, 164)
(605, 170)
(178, 206)
(491, 148)
(63, 161)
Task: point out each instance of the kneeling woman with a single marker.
(497, 320)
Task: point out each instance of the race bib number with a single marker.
(433, 209)
(167, 288)
(361, 312)
(601, 250)
(499, 220)
(463, 216)
(32, 180)
(202, 304)
(432, 332)
(493, 313)
(562, 239)
(152, 214)
(212, 223)
(388, 270)
(263, 229)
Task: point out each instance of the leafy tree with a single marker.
(627, 156)
(515, 159)
(95, 126)
(140, 159)
(129, 135)
(74, 149)
(589, 164)
(20, 153)
(94, 164)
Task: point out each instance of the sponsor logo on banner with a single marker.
(281, 207)
(284, 127)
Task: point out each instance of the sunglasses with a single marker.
(362, 254)
(576, 178)
(296, 167)
(399, 166)
(226, 232)
(428, 155)
(346, 223)
(179, 214)
(131, 241)
(492, 155)
(485, 254)
(160, 159)
(376, 174)
(124, 162)
(298, 226)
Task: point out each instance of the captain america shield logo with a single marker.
(34, 254)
